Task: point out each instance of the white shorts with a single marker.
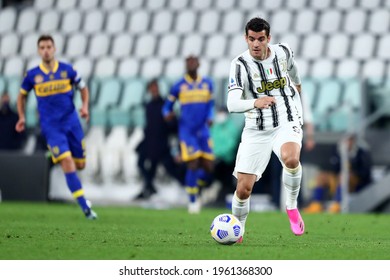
(256, 147)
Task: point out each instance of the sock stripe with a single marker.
(78, 193)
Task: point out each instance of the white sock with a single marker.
(292, 184)
(240, 209)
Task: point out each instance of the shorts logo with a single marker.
(269, 86)
(232, 83)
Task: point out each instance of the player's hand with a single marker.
(265, 102)
(299, 88)
(169, 117)
(20, 125)
(84, 113)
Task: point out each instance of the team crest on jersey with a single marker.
(64, 74)
(51, 77)
(283, 64)
(38, 79)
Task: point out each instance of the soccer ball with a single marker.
(226, 229)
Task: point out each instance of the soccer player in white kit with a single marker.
(264, 84)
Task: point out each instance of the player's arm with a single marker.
(84, 110)
(21, 106)
(167, 109)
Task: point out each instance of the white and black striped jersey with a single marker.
(274, 76)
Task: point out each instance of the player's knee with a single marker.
(291, 162)
(80, 165)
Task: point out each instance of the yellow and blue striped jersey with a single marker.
(54, 92)
(195, 98)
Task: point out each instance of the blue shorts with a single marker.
(65, 140)
(195, 143)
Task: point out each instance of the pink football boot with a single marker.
(296, 222)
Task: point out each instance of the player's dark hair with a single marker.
(45, 37)
(257, 25)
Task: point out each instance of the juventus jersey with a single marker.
(274, 76)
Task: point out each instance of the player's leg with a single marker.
(287, 148)
(251, 161)
(190, 154)
(76, 142)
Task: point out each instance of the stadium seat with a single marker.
(175, 67)
(27, 21)
(322, 68)
(363, 46)
(345, 4)
(379, 21)
(29, 45)
(347, 68)
(205, 67)
(3, 84)
(176, 5)
(89, 5)
(185, 22)
(99, 45)
(230, 16)
(215, 46)
(151, 68)
(338, 46)
(59, 42)
(271, 5)
(373, 68)
(353, 93)
(309, 90)
(305, 21)
(31, 110)
(162, 22)
(122, 45)
(105, 67)
(84, 66)
(296, 5)
(329, 95)
(208, 22)
(370, 4)
(201, 4)
(41, 5)
(8, 18)
(329, 22)
(77, 45)
(383, 47)
(281, 21)
(237, 45)
(132, 5)
(291, 39)
(13, 88)
(71, 21)
(225, 5)
(320, 4)
(116, 22)
(93, 21)
(145, 46)
(132, 96)
(155, 5)
(221, 68)
(33, 62)
(312, 46)
(168, 46)
(192, 44)
(128, 68)
(9, 45)
(109, 5)
(14, 66)
(354, 21)
(247, 5)
(138, 22)
(303, 66)
(65, 5)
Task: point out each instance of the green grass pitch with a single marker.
(53, 231)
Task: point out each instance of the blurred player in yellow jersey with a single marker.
(194, 94)
(53, 83)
